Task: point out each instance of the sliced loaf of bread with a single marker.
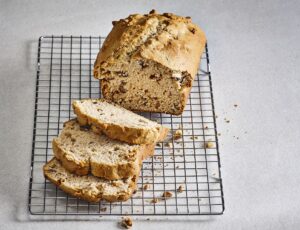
(82, 151)
(118, 123)
(89, 188)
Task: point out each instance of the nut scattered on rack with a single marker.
(103, 209)
(154, 200)
(209, 145)
(146, 187)
(169, 144)
(177, 134)
(180, 189)
(167, 194)
(126, 222)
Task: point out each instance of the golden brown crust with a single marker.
(187, 46)
(131, 135)
(86, 194)
(73, 166)
(168, 40)
(99, 169)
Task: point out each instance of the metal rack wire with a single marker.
(64, 73)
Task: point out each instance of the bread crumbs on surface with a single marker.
(226, 120)
(177, 134)
(206, 127)
(209, 145)
(180, 189)
(235, 105)
(194, 138)
(219, 134)
(167, 194)
(126, 222)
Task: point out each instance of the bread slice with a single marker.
(149, 62)
(89, 188)
(118, 123)
(82, 151)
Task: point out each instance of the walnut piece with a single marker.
(209, 145)
(177, 134)
(167, 194)
(126, 222)
(180, 189)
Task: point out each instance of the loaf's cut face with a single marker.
(117, 122)
(89, 188)
(148, 62)
(82, 151)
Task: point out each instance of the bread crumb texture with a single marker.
(148, 62)
(82, 151)
(89, 188)
(117, 122)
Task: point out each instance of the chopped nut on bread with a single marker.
(157, 55)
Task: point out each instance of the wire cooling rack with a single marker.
(184, 167)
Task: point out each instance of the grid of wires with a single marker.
(187, 167)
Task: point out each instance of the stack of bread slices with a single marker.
(98, 155)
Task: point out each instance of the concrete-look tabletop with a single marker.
(255, 61)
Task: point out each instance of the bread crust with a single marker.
(178, 48)
(110, 172)
(131, 135)
(86, 193)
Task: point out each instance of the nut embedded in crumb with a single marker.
(126, 222)
(177, 134)
(209, 145)
(180, 189)
(167, 194)
(169, 144)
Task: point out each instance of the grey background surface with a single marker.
(254, 51)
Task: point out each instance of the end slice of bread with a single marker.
(89, 188)
(81, 151)
(118, 123)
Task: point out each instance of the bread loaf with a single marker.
(118, 123)
(89, 188)
(148, 62)
(82, 151)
